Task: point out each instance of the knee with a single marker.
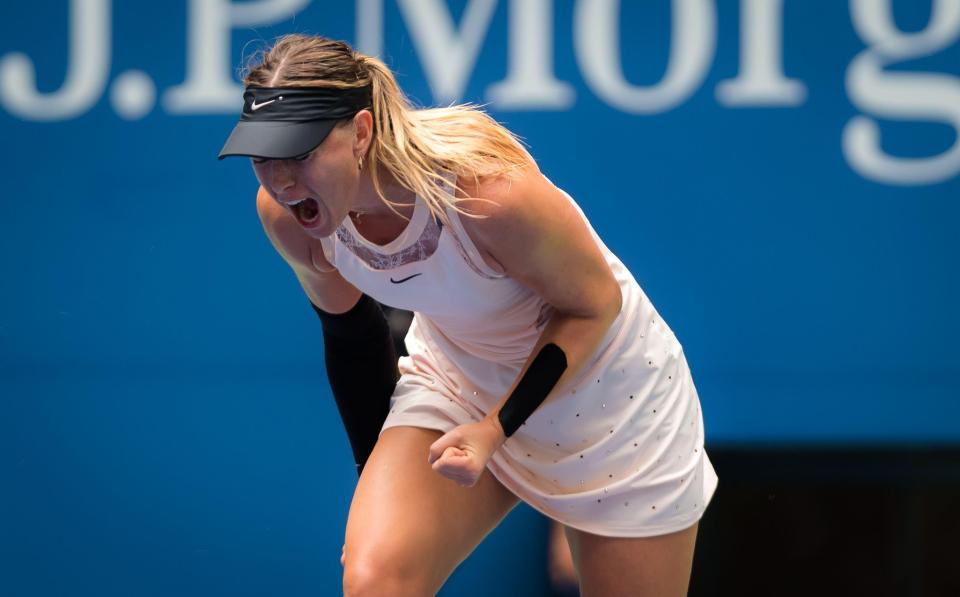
(379, 574)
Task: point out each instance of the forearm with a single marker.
(362, 370)
(578, 336)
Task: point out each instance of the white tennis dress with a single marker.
(617, 451)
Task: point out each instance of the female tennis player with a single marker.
(538, 369)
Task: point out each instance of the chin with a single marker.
(320, 231)
(326, 228)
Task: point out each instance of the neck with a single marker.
(370, 204)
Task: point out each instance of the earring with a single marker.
(360, 163)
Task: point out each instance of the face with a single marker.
(318, 188)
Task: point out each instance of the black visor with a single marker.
(287, 122)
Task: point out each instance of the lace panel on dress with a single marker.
(423, 248)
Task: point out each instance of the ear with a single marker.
(363, 132)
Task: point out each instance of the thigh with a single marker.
(409, 525)
(655, 566)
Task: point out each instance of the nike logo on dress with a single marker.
(402, 280)
(254, 106)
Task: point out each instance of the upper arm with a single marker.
(540, 239)
(321, 282)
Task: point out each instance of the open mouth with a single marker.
(306, 210)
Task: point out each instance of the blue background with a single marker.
(165, 423)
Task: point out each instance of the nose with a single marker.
(280, 180)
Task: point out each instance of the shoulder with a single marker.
(538, 236)
(496, 201)
(515, 211)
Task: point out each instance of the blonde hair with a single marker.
(416, 146)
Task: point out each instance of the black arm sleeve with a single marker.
(362, 370)
(538, 380)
